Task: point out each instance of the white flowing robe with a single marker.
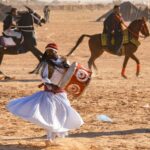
(52, 112)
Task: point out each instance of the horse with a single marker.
(26, 20)
(95, 45)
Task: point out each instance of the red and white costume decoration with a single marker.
(76, 79)
(51, 46)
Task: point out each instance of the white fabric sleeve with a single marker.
(44, 74)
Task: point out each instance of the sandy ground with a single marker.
(108, 93)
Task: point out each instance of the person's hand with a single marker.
(43, 20)
(40, 85)
(66, 65)
(54, 88)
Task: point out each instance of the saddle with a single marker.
(9, 41)
(126, 39)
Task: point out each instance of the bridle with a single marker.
(36, 18)
(31, 26)
(143, 26)
(133, 33)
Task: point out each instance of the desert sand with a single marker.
(123, 100)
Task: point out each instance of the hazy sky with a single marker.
(99, 1)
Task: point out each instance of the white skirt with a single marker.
(48, 110)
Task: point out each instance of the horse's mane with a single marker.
(23, 16)
(20, 13)
(134, 22)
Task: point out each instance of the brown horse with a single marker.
(97, 49)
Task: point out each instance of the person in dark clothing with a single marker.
(113, 26)
(9, 24)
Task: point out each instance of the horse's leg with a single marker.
(1, 59)
(38, 54)
(6, 77)
(137, 62)
(96, 50)
(92, 60)
(95, 67)
(124, 66)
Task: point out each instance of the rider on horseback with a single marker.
(10, 24)
(113, 26)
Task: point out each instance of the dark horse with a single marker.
(97, 49)
(26, 20)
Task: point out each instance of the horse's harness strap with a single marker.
(30, 26)
(38, 19)
(28, 30)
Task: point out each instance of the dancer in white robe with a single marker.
(50, 108)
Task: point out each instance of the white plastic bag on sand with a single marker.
(104, 118)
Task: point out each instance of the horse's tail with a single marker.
(77, 43)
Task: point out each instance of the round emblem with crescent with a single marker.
(73, 88)
(82, 75)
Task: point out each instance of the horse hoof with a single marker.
(124, 76)
(1, 78)
(31, 72)
(137, 74)
(8, 78)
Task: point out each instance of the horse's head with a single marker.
(37, 19)
(138, 26)
(144, 28)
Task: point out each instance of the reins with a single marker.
(136, 35)
(30, 26)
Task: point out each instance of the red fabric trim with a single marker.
(56, 91)
(118, 18)
(59, 90)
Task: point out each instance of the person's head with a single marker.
(13, 11)
(51, 51)
(116, 9)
